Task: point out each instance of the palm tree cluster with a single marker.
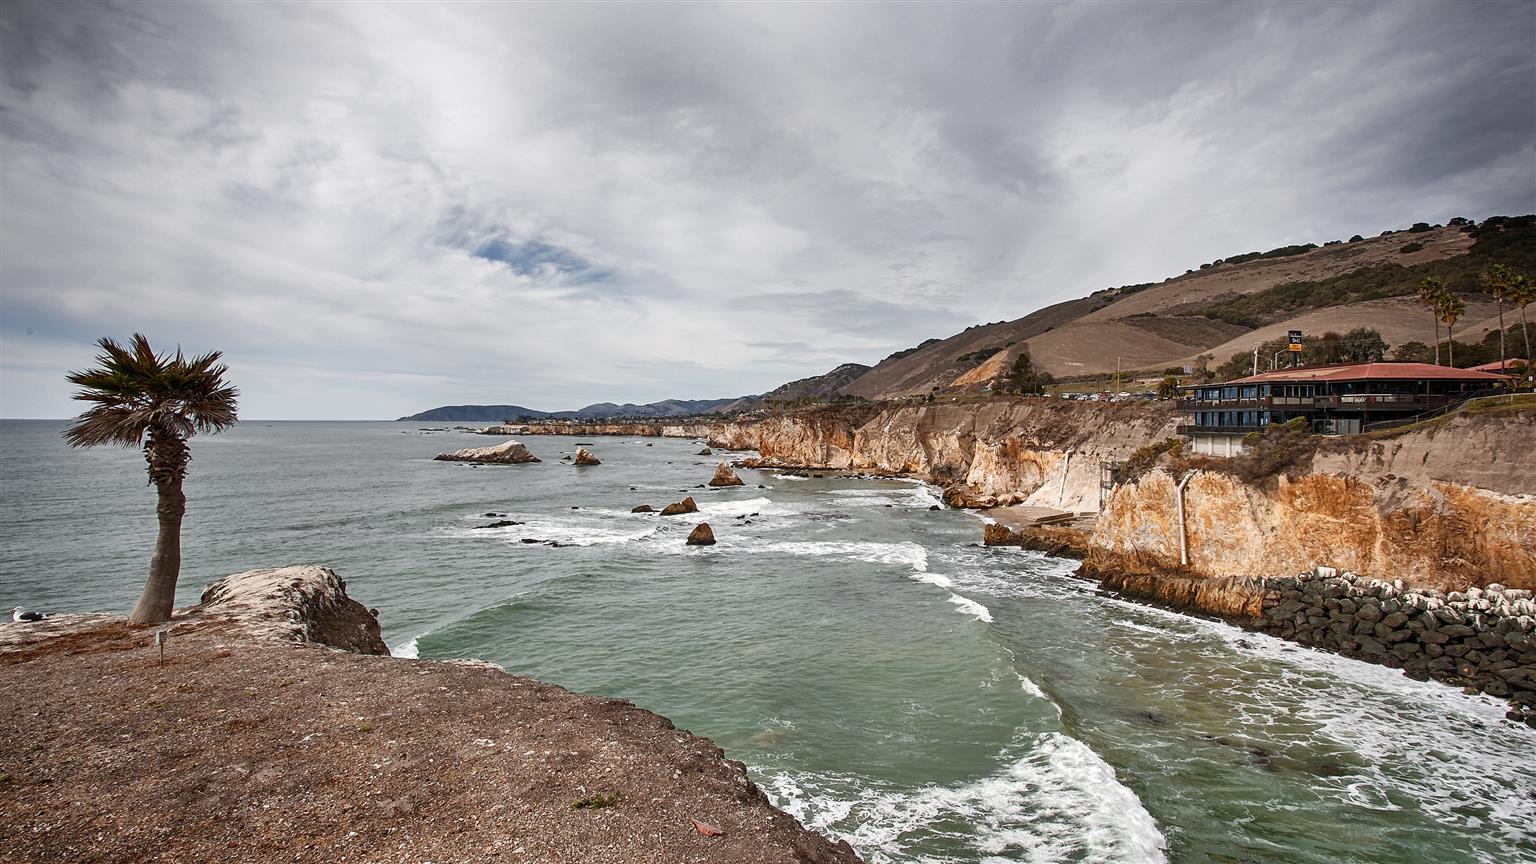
(140, 398)
(1501, 282)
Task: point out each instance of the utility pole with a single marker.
(1255, 359)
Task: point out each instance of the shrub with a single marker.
(1410, 247)
(1356, 239)
(1419, 228)
(1145, 458)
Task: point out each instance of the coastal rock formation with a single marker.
(643, 508)
(705, 452)
(585, 457)
(686, 505)
(509, 453)
(302, 603)
(701, 535)
(396, 759)
(724, 476)
(1429, 534)
(1032, 451)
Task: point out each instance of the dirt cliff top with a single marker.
(240, 748)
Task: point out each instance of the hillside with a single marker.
(1227, 307)
(597, 411)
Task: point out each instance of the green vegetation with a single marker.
(1277, 449)
(1410, 247)
(1499, 240)
(1144, 459)
(596, 801)
(142, 399)
(1023, 378)
(1360, 345)
(975, 358)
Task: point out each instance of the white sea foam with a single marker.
(971, 607)
(1031, 687)
(408, 649)
(1059, 802)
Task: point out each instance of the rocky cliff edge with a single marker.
(254, 739)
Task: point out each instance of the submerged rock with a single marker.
(705, 452)
(724, 476)
(500, 523)
(686, 505)
(702, 535)
(509, 453)
(643, 508)
(585, 457)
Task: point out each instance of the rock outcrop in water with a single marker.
(510, 453)
(270, 745)
(686, 505)
(585, 457)
(701, 535)
(724, 476)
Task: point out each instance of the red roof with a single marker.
(1498, 366)
(1372, 372)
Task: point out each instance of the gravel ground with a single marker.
(239, 749)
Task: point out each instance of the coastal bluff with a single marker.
(276, 727)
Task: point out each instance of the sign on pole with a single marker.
(1294, 338)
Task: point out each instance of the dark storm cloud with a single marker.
(375, 208)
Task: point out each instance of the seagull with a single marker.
(19, 615)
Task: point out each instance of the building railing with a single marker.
(1190, 429)
(1344, 401)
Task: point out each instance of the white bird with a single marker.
(19, 615)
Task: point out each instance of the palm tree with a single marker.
(1450, 307)
(160, 401)
(1521, 292)
(1430, 292)
(1497, 282)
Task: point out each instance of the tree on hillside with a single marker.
(1168, 388)
(158, 401)
(1497, 281)
(1023, 378)
(1522, 292)
(1449, 308)
(1413, 352)
(1431, 289)
(1202, 371)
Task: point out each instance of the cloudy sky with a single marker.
(377, 209)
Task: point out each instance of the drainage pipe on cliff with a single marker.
(1178, 497)
(1066, 462)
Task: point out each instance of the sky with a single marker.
(373, 210)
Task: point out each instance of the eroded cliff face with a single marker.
(1430, 533)
(1023, 451)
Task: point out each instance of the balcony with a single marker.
(1188, 429)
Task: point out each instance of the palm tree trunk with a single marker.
(1501, 334)
(1437, 338)
(1526, 335)
(1450, 346)
(159, 596)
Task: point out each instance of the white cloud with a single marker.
(691, 197)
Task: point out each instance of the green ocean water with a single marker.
(886, 679)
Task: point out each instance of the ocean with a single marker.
(886, 679)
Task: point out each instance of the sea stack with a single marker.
(585, 457)
(510, 453)
(702, 535)
(724, 476)
(684, 506)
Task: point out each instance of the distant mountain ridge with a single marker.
(597, 411)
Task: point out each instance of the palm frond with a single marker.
(133, 391)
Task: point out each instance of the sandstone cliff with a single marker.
(1448, 507)
(1041, 452)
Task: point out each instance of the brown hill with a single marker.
(1225, 308)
